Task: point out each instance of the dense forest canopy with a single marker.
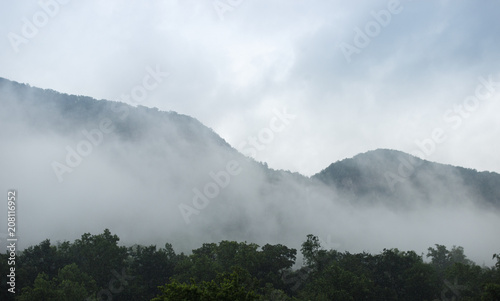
(96, 267)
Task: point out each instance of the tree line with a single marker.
(95, 267)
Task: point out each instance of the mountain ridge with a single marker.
(79, 100)
(181, 180)
(397, 169)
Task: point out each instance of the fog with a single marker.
(140, 179)
(231, 68)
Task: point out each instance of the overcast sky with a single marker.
(356, 75)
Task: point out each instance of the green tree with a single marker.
(43, 289)
(491, 289)
(274, 260)
(202, 265)
(99, 255)
(151, 269)
(421, 282)
(403, 275)
(69, 284)
(465, 278)
(74, 284)
(41, 258)
(335, 283)
(457, 255)
(310, 249)
(497, 256)
(226, 287)
(491, 292)
(4, 271)
(440, 258)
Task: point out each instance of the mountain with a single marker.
(396, 178)
(76, 159)
(82, 165)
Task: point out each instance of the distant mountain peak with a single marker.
(395, 177)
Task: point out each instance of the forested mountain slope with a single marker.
(399, 179)
(81, 165)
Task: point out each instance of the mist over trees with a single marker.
(108, 161)
(96, 267)
(82, 165)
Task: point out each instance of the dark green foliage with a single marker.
(236, 286)
(272, 263)
(99, 255)
(497, 257)
(94, 267)
(42, 258)
(4, 270)
(491, 292)
(335, 283)
(391, 275)
(69, 284)
(153, 268)
(86, 265)
(310, 249)
(405, 275)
